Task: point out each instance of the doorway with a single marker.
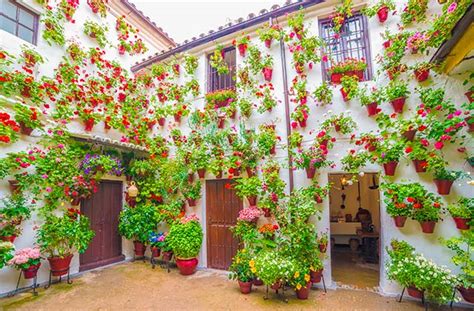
(103, 210)
(222, 210)
(354, 202)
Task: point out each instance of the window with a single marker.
(18, 20)
(216, 81)
(353, 42)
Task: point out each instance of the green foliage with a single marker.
(185, 238)
(240, 268)
(414, 12)
(396, 89)
(462, 247)
(96, 31)
(247, 187)
(463, 208)
(323, 94)
(137, 223)
(54, 27)
(271, 267)
(6, 253)
(62, 235)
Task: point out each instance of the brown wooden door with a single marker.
(103, 210)
(222, 210)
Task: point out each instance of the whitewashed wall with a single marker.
(427, 244)
(53, 55)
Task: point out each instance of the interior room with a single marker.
(355, 228)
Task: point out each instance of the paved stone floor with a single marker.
(135, 286)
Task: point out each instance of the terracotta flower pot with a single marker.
(469, 96)
(201, 173)
(221, 122)
(266, 212)
(420, 165)
(219, 174)
(245, 287)
(316, 276)
(303, 292)
(25, 129)
(268, 43)
(336, 77)
(382, 14)
(14, 186)
(462, 223)
(60, 266)
(76, 201)
(310, 172)
(444, 186)
(31, 271)
(414, 292)
(422, 74)
(139, 248)
(242, 49)
(337, 127)
(252, 200)
(390, 168)
(400, 221)
(191, 202)
(398, 104)
(161, 121)
(467, 293)
(89, 125)
(344, 94)
(167, 256)
(250, 172)
(427, 226)
(302, 123)
(267, 74)
(187, 266)
(470, 126)
(190, 177)
(276, 285)
(273, 150)
(8, 238)
(155, 252)
(257, 282)
(372, 109)
(177, 118)
(318, 199)
(323, 247)
(409, 135)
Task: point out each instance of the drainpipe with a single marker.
(287, 111)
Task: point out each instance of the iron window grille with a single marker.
(352, 42)
(216, 81)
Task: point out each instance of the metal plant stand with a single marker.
(423, 301)
(33, 286)
(324, 284)
(50, 282)
(276, 290)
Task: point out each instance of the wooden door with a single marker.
(222, 210)
(103, 210)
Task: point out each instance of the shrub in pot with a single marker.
(28, 260)
(249, 188)
(316, 270)
(462, 247)
(418, 153)
(60, 236)
(272, 268)
(422, 277)
(311, 159)
(185, 239)
(137, 223)
(240, 270)
(462, 212)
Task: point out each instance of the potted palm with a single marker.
(185, 239)
(462, 212)
(249, 188)
(61, 236)
(240, 270)
(137, 223)
(28, 260)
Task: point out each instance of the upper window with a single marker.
(351, 42)
(18, 20)
(216, 81)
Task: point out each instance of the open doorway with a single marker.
(354, 202)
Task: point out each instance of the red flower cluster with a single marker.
(7, 124)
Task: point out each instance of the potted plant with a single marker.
(349, 87)
(240, 270)
(396, 93)
(323, 94)
(267, 139)
(137, 223)
(295, 139)
(370, 99)
(192, 193)
(242, 43)
(414, 11)
(217, 61)
(28, 260)
(249, 188)
(443, 177)
(417, 42)
(316, 270)
(462, 247)
(220, 98)
(322, 241)
(54, 27)
(301, 280)
(27, 117)
(300, 115)
(427, 212)
(6, 253)
(381, 9)
(267, 67)
(397, 203)
(60, 236)
(15, 209)
(272, 268)
(98, 7)
(199, 160)
(97, 32)
(347, 67)
(9, 129)
(268, 33)
(267, 96)
(311, 159)
(417, 152)
(462, 212)
(249, 214)
(156, 241)
(296, 23)
(342, 123)
(31, 57)
(388, 154)
(185, 239)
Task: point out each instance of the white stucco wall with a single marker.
(53, 55)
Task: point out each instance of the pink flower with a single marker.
(439, 145)
(452, 7)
